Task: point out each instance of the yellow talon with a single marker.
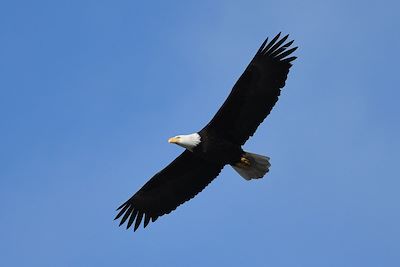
(245, 161)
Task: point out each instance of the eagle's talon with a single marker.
(245, 161)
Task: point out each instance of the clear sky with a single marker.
(91, 90)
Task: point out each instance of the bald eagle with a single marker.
(220, 142)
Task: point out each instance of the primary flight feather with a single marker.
(220, 142)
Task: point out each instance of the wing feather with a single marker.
(180, 181)
(255, 93)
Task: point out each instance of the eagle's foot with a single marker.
(244, 163)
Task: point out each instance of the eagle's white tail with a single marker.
(252, 166)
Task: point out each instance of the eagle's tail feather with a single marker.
(252, 166)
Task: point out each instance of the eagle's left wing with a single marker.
(255, 93)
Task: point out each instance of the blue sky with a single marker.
(91, 90)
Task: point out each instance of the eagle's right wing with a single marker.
(180, 181)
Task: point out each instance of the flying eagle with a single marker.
(220, 142)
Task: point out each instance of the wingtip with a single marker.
(126, 216)
(289, 59)
(138, 221)
(271, 44)
(289, 43)
(276, 37)
(146, 220)
(132, 218)
(122, 205)
(121, 212)
(262, 46)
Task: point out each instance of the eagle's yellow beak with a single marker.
(173, 140)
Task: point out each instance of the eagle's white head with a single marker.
(189, 141)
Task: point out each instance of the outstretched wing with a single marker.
(180, 181)
(255, 93)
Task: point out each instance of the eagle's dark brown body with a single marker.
(217, 150)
